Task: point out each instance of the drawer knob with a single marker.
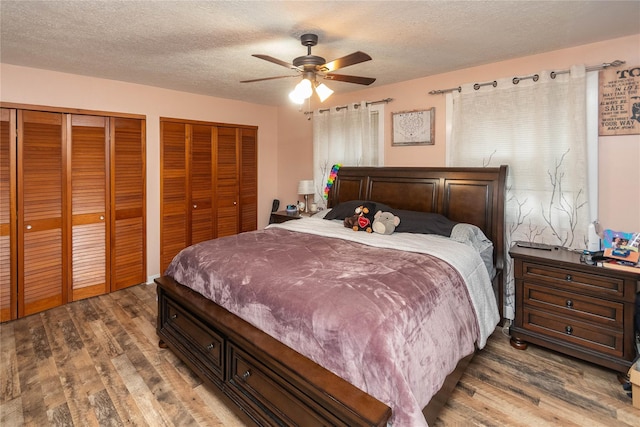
(210, 346)
(173, 316)
(246, 375)
(568, 330)
(569, 303)
(568, 278)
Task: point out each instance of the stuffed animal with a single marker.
(362, 219)
(385, 222)
(351, 222)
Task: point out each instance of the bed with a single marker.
(296, 379)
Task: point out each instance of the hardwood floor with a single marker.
(96, 362)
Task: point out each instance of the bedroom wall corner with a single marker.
(295, 152)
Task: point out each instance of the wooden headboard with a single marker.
(472, 195)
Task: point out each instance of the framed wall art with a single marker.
(413, 127)
(619, 104)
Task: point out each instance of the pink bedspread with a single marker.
(393, 323)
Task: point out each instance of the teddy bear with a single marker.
(351, 222)
(385, 222)
(362, 219)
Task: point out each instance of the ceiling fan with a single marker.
(311, 67)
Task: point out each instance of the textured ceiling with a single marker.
(205, 47)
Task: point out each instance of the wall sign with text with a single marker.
(619, 104)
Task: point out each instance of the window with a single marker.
(540, 129)
(351, 136)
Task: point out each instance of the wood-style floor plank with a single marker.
(75, 369)
(11, 413)
(151, 410)
(111, 404)
(9, 380)
(34, 409)
(96, 362)
(537, 387)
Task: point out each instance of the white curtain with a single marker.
(343, 135)
(537, 128)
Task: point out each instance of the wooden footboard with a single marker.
(267, 382)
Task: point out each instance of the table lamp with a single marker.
(305, 187)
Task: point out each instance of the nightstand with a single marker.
(282, 216)
(574, 308)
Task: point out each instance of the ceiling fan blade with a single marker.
(350, 79)
(345, 61)
(266, 78)
(276, 61)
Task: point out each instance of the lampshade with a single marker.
(323, 91)
(295, 97)
(306, 187)
(304, 90)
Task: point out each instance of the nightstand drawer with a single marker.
(593, 310)
(573, 280)
(574, 331)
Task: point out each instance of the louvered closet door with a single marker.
(174, 177)
(227, 181)
(89, 195)
(202, 215)
(128, 204)
(248, 180)
(41, 230)
(8, 258)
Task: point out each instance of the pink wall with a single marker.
(47, 88)
(295, 142)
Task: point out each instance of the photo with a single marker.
(621, 245)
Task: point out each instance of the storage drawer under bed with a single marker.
(182, 329)
(262, 388)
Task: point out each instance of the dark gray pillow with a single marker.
(423, 222)
(345, 209)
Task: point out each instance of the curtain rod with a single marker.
(381, 101)
(534, 77)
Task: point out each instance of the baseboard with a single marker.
(151, 278)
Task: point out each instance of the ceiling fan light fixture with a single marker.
(295, 97)
(304, 88)
(302, 91)
(323, 91)
(312, 66)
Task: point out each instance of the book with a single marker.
(622, 246)
(613, 264)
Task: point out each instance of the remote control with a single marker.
(534, 245)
